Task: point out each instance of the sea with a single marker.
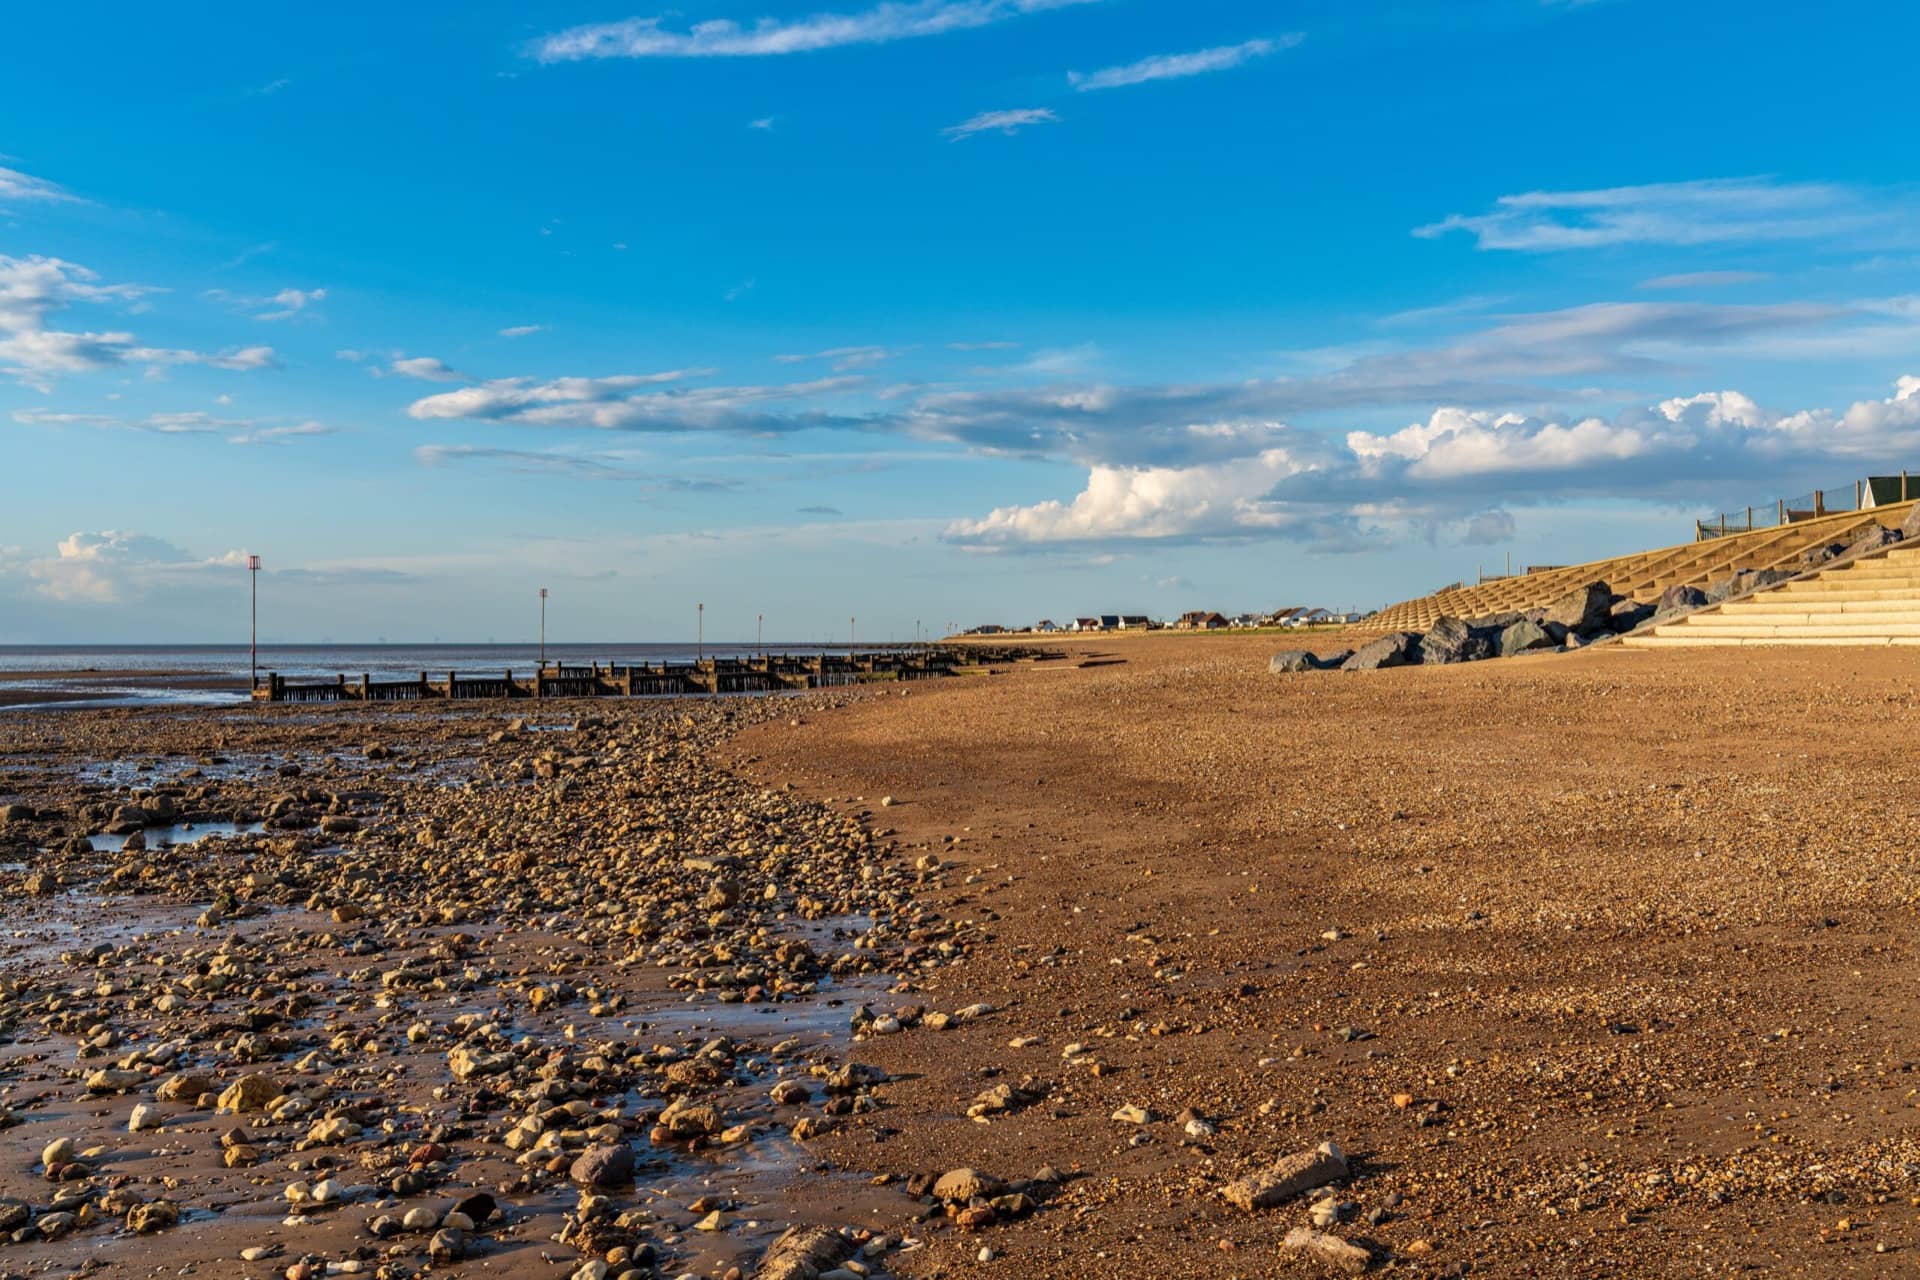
(213, 675)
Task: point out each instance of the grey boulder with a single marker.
(1397, 649)
(1451, 640)
(1288, 660)
(1584, 609)
(1525, 637)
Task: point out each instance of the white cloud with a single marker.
(521, 330)
(291, 302)
(188, 422)
(633, 402)
(1175, 66)
(1710, 211)
(764, 124)
(1147, 502)
(1703, 280)
(426, 368)
(34, 287)
(726, 38)
(15, 185)
(844, 359)
(1711, 448)
(1007, 122)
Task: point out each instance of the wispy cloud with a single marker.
(521, 330)
(1711, 211)
(15, 185)
(844, 359)
(284, 305)
(270, 88)
(727, 38)
(1175, 66)
(739, 291)
(764, 124)
(192, 422)
(1007, 122)
(1703, 280)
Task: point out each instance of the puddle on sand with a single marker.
(184, 833)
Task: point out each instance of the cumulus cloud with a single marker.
(727, 38)
(1175, 66)
(1710, 211)
(1451, 465)
(104, 567)
(33, 288)
(1007, 122)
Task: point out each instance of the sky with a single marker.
(903, 315)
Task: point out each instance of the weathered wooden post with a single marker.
(366, 687)
(423, 686)
(449, 685)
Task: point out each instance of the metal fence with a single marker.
(1834, 500)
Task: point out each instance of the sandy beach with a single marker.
(1586, 964)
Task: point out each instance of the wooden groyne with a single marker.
(767, 674)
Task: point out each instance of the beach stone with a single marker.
(1525, 636)
(1288, 661)
(16, 813)
(1329, 1250)
(187, 1086)
(605, 1164)
(962, 1186)
(157, 1215)
(468, 1064)
(1287, 1177)
(447, 1245)
(58, 1152)
(250, 1092)
(41, 884)
(803, 1253)
(477, 1207)
(1396, 649)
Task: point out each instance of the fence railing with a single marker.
(1855, 495)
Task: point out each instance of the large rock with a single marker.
(1524, 637)
(1744, 581)
(1910, 527)
(1452, 640)
(1287, 1177)
(1290, 660)
(963, 1186)
(1680, 599)
(1877, 537)
(1627, 614)
(1582, 610)
(1396, 649)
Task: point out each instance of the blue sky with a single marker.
(954, 310)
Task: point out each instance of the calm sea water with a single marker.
(147, 666)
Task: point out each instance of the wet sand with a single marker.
(1593, 964)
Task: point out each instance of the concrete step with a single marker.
(1785, 618)
(1859, 589)
(1790, 630)
(1702, 639)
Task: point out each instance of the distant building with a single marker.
(1201, 620)
(1135, 622)
(1046, 625)
(987, 629)
(1086, 624)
